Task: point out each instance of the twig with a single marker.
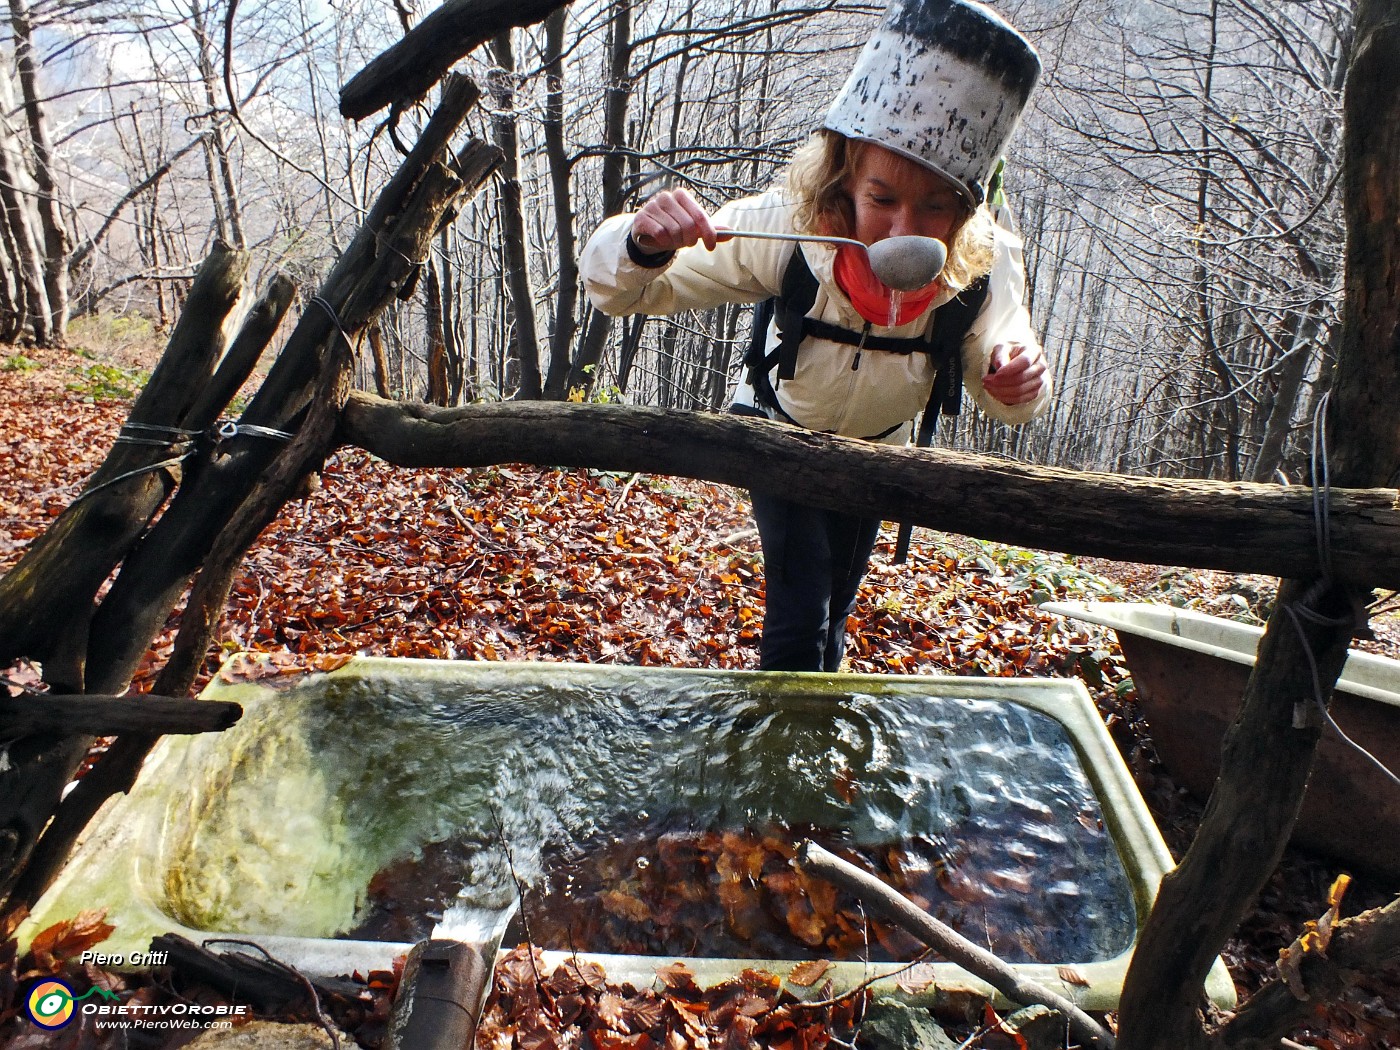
(733, 538)
(545, 997)
(626, 489)
(952, 945)
(321, 1018)
(858, 988)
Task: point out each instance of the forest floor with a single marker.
(517, 563)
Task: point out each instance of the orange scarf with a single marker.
(870, 296)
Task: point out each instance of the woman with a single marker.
(858, 369)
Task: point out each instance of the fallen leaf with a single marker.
(62, 941)
(806, 974)
(1069, 975)
(917, 979)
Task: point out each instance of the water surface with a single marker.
(363, 804)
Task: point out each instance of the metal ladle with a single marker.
(905, 263)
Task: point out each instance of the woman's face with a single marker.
(895, 197)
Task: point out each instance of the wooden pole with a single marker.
(1239, 527)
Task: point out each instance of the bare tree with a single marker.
(1216, 140)
(525, 339)
(57, 241)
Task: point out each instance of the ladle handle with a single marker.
(764, 236)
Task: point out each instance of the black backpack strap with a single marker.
(790, 306)
(951, 323)
(889, 344)
(794, 302)
(755, 358)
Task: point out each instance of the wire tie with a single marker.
(335, 320)
(386, 243)
(267, 432)
(1321, 716)
(226, 429)
(156, 428)
(176, 461)
(125, 439)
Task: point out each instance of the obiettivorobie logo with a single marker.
(51, 1003)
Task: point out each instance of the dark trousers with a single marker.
(813, 562)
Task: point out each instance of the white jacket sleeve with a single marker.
(1003, 319)
(739, 270)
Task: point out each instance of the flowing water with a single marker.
(369, 803)
(896, 301)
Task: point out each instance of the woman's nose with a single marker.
(904, 223)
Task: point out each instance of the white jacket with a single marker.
(826, 394)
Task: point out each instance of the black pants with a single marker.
(813, 562)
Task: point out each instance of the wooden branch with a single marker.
(1269, 750)
(1237, 527)
(307, 451)
(236, 971)
(110, 715)
(302, 393)
(46, 599)
(1362, 943)
(979, 962)
(404, 73)
(237, 364)
(39, 767)
(114, 772)
(381, 259)
(1264, 768)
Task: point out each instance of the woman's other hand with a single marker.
(1017, 373)
(670, 220)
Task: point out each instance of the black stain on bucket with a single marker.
(973, 34)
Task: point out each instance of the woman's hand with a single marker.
(670, 220)
(1017, 373)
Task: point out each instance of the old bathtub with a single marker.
(273, 830)
(1190, 671)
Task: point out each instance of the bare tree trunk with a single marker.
(34, 310)
(56, 240)
(561, 341)
(222, 185)
(1298, 355)
(450, 314)
(437, 345)
(1366, 387)
(522, 297)
(381, 363)
(619, 90)
(11, 317)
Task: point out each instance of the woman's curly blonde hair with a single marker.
(816, 184)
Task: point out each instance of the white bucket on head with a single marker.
(943, 82)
